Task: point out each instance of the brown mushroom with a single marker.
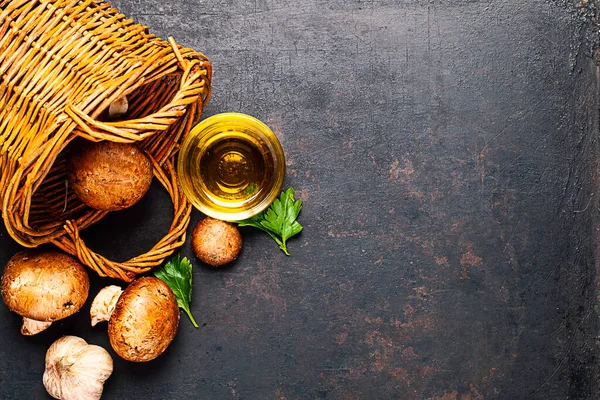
(118, 108)
(216, 242)
(43, 287)
(109, 176)
(144, 321)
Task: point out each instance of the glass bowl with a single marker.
(231, 166)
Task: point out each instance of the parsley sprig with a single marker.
(177, 273)
(279, 220)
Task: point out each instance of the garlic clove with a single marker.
(76, 370)
(118, 108)
(104, 304)
(32, 327)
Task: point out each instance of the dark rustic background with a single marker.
(446, 153)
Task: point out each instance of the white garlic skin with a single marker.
(104, 304)
(32, 327)
(76, 370)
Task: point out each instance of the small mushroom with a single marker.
(76, 370)
(108, 176)
(43, 287)
(118, 108)
(216, 242)
(144, 320)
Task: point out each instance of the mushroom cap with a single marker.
(109, 176)
(44, 286)
(144, 321)
(216, 242)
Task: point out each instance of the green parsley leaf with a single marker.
(279, 220)
(177, 273)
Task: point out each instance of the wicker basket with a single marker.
(62, 63)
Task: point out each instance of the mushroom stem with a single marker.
(104, 304)
(32, 327)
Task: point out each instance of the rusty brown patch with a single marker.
(481, 164)
(428, 370)
(446, 396)
(341, 338)
(352, 233)
(473, 395)
(418, 193)
(457, 224)
(469, 260)
(441, 261)
(291, 172)
(376, 320)
(434, 194)
(401, 172)
(457, 181)
(421, 293)
(355, 372)
(502, 204)
(383, 356)
(389, 354)
(409, 354)
(370, 337)
(264, 285)
(351, 396)
(398, 174)
(427, 246)
(302, 194)
(417, 323)
(399, 374)
(380, 360)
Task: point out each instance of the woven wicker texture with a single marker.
(62, 64)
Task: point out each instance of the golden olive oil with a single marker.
(234, 168)
(231, 166)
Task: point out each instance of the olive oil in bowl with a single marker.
(231, 166)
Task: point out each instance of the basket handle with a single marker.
(194, 82)
(73, 244)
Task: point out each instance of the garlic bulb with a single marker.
(76, 370)
(104, 304)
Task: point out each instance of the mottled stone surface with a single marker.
(445, 151)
